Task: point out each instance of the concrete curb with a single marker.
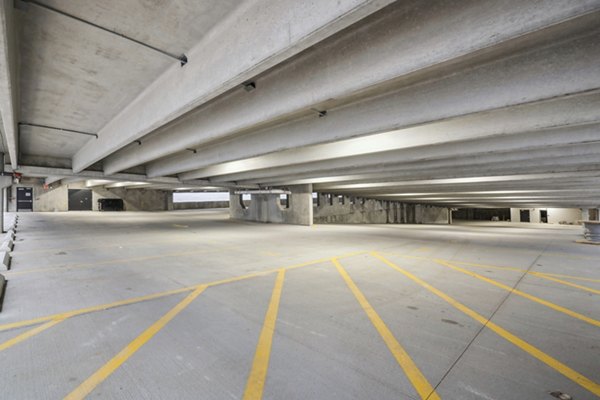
(2, 289)
(7, 245)
(4, 260)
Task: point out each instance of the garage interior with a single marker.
(269, 199)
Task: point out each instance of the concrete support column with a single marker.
(585, 214)
(267, 207)
(449, 216)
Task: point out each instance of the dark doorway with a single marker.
(24, 199)
(525, 216)
(544, 216)
(80, 200)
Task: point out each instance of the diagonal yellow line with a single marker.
(32, 332)
(515, 340)
(63, 267)
(416, 377)
(577, 278)
(101, 307)
(528, 296)
(260, 365)
(550, 278)
(107, 369)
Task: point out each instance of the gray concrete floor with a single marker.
(324, 345)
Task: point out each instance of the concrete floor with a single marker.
(366, 329)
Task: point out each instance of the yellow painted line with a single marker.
(260, 365)
(578, 278)
(107, 369)
(527, 296)
(29, 333)
(87, 310)
(102, 307)
(515, 340)
(64, 268)
(416, 377)
(469, 264)
(550, 278)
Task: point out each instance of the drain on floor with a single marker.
(560, 395)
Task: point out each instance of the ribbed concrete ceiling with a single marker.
(467, 103)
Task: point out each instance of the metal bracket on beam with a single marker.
(249, 86)
(321, 113)
(181, 58)
(193, 150)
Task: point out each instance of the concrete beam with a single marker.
(127, 185)
(52, 179)
(488, 88)
(9, 99)
(513, 180)
(552, 144)
(481, 169)
(254, 43)
(505, 130)
(343, 69)
(40, 172)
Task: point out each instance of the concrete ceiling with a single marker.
(367, 98)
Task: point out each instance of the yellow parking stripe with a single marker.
(553, 363)
(550, 278)
(260, 365)
(416, 377)
(522, 294)
(64, 268)
(87, 310)
(107, 369)
(577, 278)
(101, 307)
(32, 332)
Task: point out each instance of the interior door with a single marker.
(24, 199)
(80, 200)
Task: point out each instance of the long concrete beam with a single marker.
(43, 172)
(256, 36)
(361, 60)
(531, 77)
(553, 143)
(573, 177)
(505, 130)
(9, 98)
(52, 179)
(473, 168)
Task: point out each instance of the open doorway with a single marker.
(525, 216)
(544, 216)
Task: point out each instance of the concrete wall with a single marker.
(351, 210)
(555, 215)
(267, 207)
(193, 205)
(56, 198)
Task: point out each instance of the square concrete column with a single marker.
(267, 208)
(585, 214)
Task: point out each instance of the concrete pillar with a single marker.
(449, 216)
(267, 208)
(585, 214)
